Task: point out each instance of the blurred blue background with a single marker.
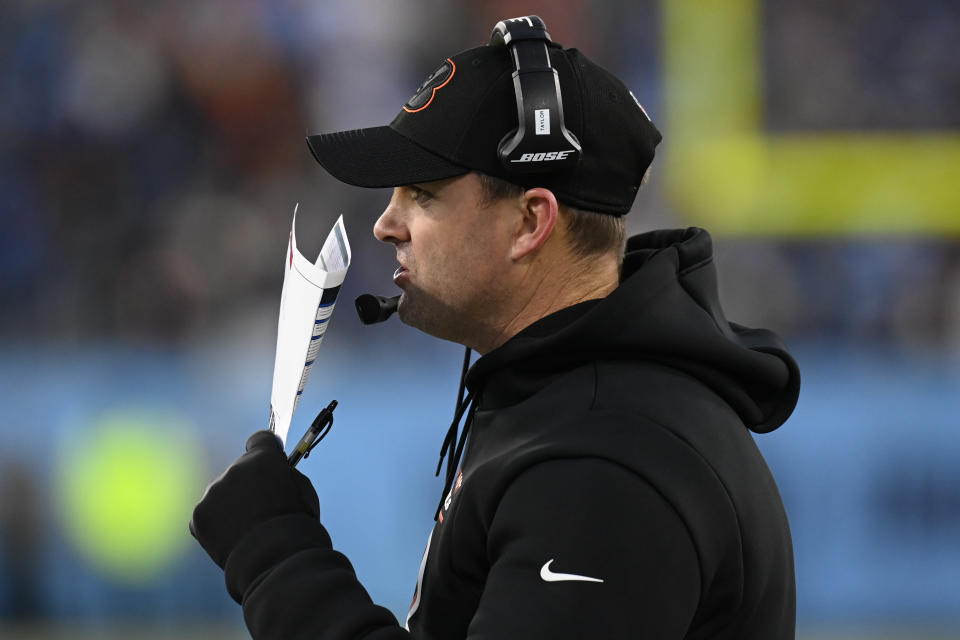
(152, 157)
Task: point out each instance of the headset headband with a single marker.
(541, 142)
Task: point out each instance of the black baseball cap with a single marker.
(455, 121)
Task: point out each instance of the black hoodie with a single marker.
(610, 487)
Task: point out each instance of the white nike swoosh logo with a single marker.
(550, 576)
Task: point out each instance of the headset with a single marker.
(541, 142)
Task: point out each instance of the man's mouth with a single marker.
(400, 274)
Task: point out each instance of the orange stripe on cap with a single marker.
(433, 94)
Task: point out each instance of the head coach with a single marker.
(605, 483)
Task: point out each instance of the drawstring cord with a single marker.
(452, 447)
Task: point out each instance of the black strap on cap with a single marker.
(541, 142)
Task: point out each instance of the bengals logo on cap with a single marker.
(434, 82)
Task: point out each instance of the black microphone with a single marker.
(373, 309)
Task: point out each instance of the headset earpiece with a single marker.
(541, 142)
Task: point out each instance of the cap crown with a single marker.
(464, 109)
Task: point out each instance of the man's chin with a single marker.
(403, 306)
(420, 311)
(411, 311)
(407, 309)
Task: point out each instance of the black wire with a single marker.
(452, 447)
(458, 410)
(451, 469)
(449, 441)
(463, 377)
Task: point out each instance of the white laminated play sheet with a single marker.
(306, 304)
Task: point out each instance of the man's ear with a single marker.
(538, 216)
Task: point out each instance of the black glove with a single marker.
(260, 486)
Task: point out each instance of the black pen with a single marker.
(317, 431)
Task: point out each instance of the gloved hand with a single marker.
(259, 486)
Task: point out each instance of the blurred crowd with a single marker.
(153, 152)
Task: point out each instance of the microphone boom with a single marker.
(373, 309)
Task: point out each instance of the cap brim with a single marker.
(379, 157)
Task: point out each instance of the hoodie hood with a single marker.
(666, 310)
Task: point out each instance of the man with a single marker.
(610, 487)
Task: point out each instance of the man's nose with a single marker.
(390, 226)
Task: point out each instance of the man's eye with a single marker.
(419, 195)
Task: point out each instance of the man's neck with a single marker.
(542, 292)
